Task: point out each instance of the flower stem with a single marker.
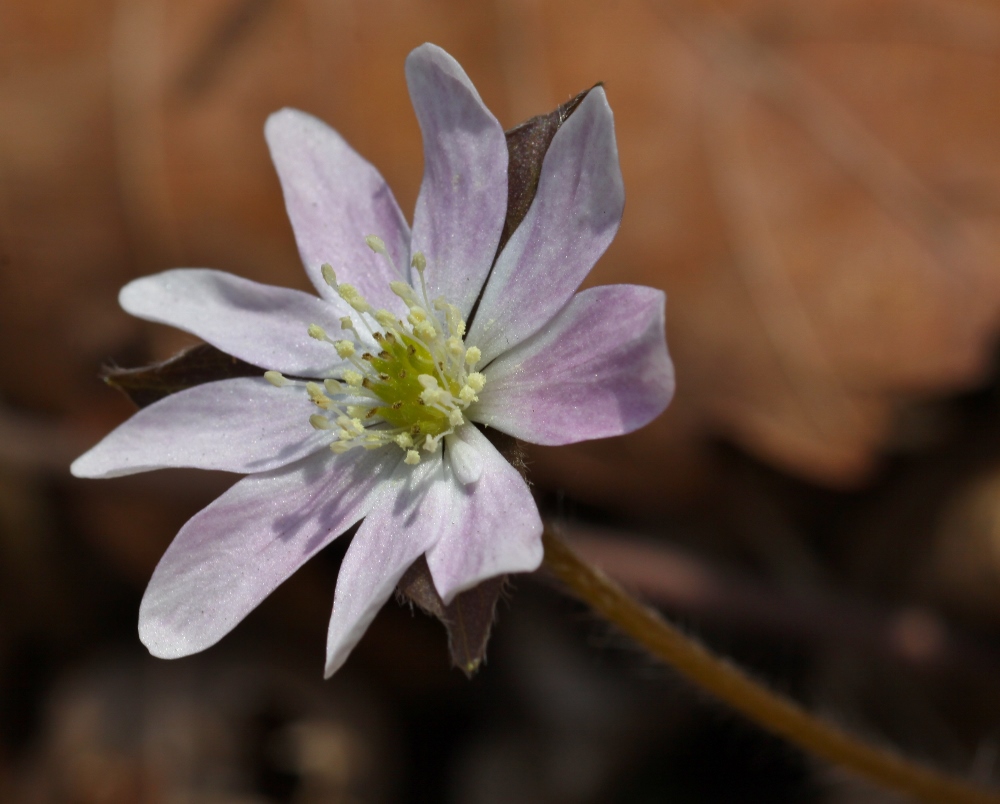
(769, 710)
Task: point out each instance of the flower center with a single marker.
(414, 390)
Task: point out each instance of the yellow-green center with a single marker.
(403, 359)
(415, 391)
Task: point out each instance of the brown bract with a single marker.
(814, 185)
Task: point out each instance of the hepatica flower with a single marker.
(378, 391)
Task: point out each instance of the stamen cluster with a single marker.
(412, 393)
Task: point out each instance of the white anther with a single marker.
(467, 395)
(320, 422)
(432, 396)
(347, 323)
(357, 411)
(339, 447)
(353, 379)
(353, 297)
(404, 440)
(352, 426)
(476, 381)
(419, 261)
(455, 418)
(472, 356)
(412, 457)
(328, 275)
(427, 381)
(345, 348)
(425, 330)
(454, 346)
(276, 378)
(317, 332)
(317, 397)
(431, 443)
(405, 292)
(385, 318)
(376, 244)
(417, 315)
(333, 387)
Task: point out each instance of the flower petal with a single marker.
(600, 369)
(463, 198)
(488, 528)
(467, 462)
(262, 324)
(242, 425)
(335, 199)
(235, 552)
(572, 220)
(401, 525)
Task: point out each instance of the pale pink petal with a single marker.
(600, 369)
(235, 552)
(261, 324)
(463, 198)
(243, 425)
(572, 220)
(335, 199)
(487, 528)
(402, 523)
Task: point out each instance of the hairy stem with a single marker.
(769, 710)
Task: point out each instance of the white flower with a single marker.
(385, 430)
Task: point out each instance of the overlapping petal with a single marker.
(335, 198)
(262, 324)
(572, 220)
(467, 462)
(402, 524)
(235, 552)
(487, 528)
(463, 198)
(243, 425)
(600, 369)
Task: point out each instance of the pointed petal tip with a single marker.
(163, 644)
(132, 294)
(79, 467)
(277, 121)
(428, 53)
(99, 463)
(426, 49)
(430, 57)
(333, 664)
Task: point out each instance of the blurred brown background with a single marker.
(817, 189)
